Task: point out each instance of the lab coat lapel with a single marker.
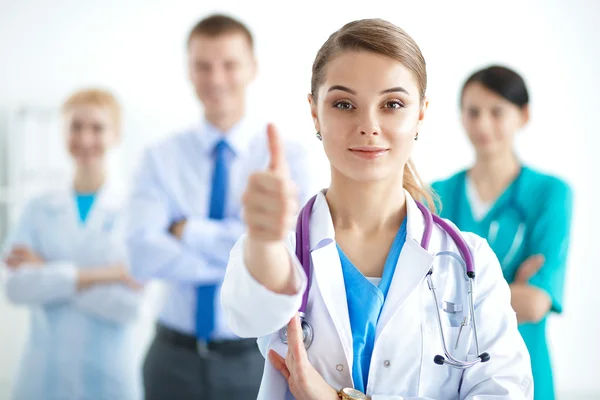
(104, 211)
(327, 270)
(63, 212)
(413, 265)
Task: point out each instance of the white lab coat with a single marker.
(80, 343)
(407, 337)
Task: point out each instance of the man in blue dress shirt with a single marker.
(185, 215)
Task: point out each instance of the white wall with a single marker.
(137, 48)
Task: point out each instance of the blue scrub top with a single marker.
(365, 302)
(532, 216)
(85, 201)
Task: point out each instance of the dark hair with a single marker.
(503, 81)
(219, 24)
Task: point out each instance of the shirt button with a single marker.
(339, 367)
(387, 363)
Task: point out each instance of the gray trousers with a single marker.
(176, 372)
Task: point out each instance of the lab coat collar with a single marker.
(107, 205)
(413, 264)
(237, 137)
(110, 195)
(321, 232)
(327, 271)
(415, 225)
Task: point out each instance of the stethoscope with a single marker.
(303, 254)
(512, 205)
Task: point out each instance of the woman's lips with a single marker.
(368, 152)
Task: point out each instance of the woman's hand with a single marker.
(22, 255)
(303, 379)
(176, 229)
(529, 268)
(270, 200)
(122, 276)
(530, 303)
(270, 204)
(116, 273)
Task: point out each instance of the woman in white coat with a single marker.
(66, 261)
(368, 103)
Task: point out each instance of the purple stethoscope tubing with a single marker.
(303, 255)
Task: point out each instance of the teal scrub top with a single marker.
(532, 216)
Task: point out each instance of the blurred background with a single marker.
(137, 49)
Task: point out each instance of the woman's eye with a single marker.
(343, 105)
(472, 113)
(497, 112)
(394, 104)
(98, 128)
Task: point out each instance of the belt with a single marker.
(230, 347)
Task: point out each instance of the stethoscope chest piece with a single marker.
(307, 333)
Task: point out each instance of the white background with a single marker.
(137, 49)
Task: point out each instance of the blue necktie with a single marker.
(205, 314)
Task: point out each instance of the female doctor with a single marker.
(66, 261)
(524, 214)
(370, 307)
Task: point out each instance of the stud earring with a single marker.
(319, 136)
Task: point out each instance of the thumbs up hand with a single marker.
(270, 200)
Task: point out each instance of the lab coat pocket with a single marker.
(442, 381)
(460, 340)
(456, 338)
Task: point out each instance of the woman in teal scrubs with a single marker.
(524, 214)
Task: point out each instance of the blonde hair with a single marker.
(95, 97)
(384, 38)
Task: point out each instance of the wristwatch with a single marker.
(352, 394)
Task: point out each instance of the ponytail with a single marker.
(414, 185)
